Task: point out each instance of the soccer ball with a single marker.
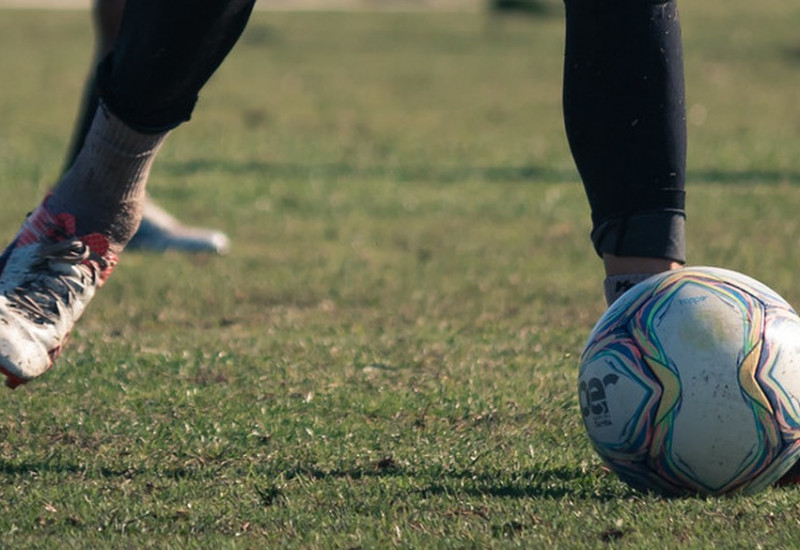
(690, 384)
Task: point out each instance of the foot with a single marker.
(624, 272)
(47, 277)
(160, 231)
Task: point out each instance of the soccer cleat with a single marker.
(160, 231)
(47, 277)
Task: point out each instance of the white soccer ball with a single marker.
(690, 384)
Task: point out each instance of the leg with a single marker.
(106, 19)
(625, 119)
(68, 246)
(159, 230)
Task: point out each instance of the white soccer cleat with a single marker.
(160, 231)
(47, 277)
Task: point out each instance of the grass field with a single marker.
(388, 356)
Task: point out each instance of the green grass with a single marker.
(388, 356)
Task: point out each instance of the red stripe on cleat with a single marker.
(11, 380)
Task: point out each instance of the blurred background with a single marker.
(469, 5)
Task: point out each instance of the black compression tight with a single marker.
(624, 114)
(165, 52)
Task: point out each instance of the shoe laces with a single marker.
(60, 273)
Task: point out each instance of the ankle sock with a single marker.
(617, 285)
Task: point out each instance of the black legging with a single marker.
(625, 118)
(165, 52)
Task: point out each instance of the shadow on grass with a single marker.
(102, 472)
(792, 53)
(339, 170)
(551, 482)
(447, 174)
(529, 8)
(547, 482)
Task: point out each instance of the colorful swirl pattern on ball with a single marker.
(779, 426)
(662, 459)
(781, 320)
(622, 356)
